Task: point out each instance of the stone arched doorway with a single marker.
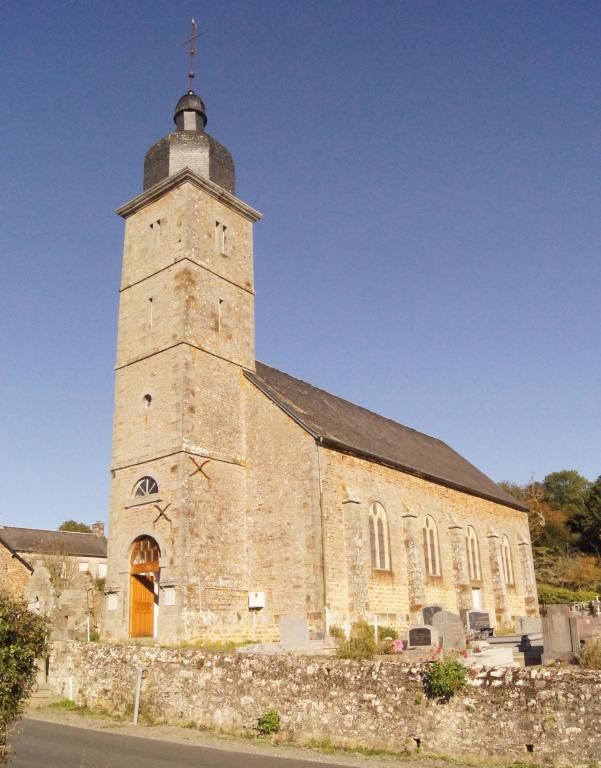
(144, 570)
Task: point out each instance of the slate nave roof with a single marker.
(35, 540)
(344, 426)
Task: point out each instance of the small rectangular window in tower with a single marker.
(150, 311)
(219, 310)
(220, 237)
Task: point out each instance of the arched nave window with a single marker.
(507, 561)
(145, 486)
(431, 550)
(473, 555)
(378, 538)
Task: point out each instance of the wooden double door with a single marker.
(144, 574)
(141, 622)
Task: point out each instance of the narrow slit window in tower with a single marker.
(219, 306)
(155, 229)
(220, 236)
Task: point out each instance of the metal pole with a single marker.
(141, 671)
(88, 627)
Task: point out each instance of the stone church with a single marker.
(240, 494)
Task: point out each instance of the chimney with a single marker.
(98, 528)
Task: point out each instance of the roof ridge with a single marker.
(46, 530)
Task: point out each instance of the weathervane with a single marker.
(191, 42)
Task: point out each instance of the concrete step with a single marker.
(42, 692)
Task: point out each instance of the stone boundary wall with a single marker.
(539, 715)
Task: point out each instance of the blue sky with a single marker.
(429, 173)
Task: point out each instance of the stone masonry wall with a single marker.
(13, 574)
(283, 515)
(186, 332)
(393, 595)
(550, 716)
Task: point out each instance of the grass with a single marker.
(217, 646)
(590, 656)
(329, 748)
(66, 705)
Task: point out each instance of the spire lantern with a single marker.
(190, 114)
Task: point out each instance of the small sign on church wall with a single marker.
(169, 596)
(256, 600)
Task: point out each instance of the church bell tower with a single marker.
(186, 336)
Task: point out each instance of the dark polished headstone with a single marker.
(478, 620)
(422, 636)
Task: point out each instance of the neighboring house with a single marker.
(60, 573)
(235, 486)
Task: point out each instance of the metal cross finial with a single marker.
(191, 42)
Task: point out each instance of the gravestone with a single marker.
(422, 636)
(560, 633)
(477, 621)
(529, 625)
(428, 613)
(450, 630)
(294, 629)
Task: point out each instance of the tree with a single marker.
(567, 490)
(74, 527)
(22, 642)
(592, 520)
(580, 571)
(62, 568)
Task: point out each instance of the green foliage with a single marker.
(362, 644)
(74, 527)
(337, 632)
(385, 633)
(590, 656)
(564, 515)
(22, 641)
(519, 492)
(65, 705)
(551, 595)
(269, 722)
(567, 490)
(444, 678)
(592, 518)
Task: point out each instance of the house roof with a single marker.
(52, 542)
(344, 426)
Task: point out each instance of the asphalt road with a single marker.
(48, 745)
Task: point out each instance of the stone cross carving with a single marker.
(199, 468)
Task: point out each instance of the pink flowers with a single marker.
(398, 646)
